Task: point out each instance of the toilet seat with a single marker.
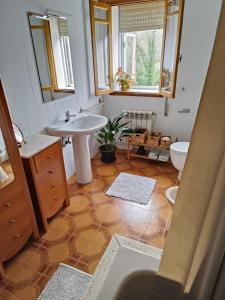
(180, 147)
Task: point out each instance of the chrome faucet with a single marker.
(68, 116)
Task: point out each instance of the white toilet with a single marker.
(178, 153)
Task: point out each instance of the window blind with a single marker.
(142, 16)
(63, 27)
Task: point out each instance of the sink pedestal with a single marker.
(82, 158)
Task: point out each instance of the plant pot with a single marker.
(125, 88)
(108, 156)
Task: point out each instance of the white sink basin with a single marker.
(79, 128)
(81, 124)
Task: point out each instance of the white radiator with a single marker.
(138, 119)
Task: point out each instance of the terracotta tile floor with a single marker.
(79, 235)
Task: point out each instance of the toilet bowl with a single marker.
(178, 153)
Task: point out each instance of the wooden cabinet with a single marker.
(46, 179)
(17, 219)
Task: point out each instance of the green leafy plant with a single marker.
(124, 79)
(112, 133)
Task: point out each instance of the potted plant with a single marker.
(124, 79)
(109, 136)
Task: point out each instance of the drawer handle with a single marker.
(16, 236)
(50, 172)
(12, 221)
(56, 199)
(48, 157)
(53, 186)
(7, 204)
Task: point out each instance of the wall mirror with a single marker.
(51, 43)
(6, 171)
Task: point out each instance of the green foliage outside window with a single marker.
(147, 57)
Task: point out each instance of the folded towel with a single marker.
(153, 154)
(164, 155)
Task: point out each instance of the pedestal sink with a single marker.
(79, 128)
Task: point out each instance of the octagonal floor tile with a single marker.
(60, 224)
(150, 171)
(88, 248)
(108, 213)
(53, 235)
(5, 295)
(135, 172)
(95, 186)
(58, 253)
(77, 204)
(83, 220)
(93, 235)
(151, 231)
(100, 198)
(29, 292)
(34, 262)
(139, 163)
(123, 166)
(92, 267)
(158, 242)
(110, 179)
(114, 229)
(164, 182)
(22, 274)
(106, 170)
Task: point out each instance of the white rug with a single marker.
(132, 188)
(67, 283)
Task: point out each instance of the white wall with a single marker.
(19, 75)
(18, 69)
(199, 28)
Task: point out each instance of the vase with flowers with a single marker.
(124, 79)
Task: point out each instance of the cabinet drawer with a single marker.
(51, 180)
(48, 158)
(11, 208)
(15, 231)
(52, 201)
(14, 238)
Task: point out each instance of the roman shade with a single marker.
(63, 27)
(141, 16)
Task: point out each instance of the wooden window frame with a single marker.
(109, 3)
(108, 22)
(51, 62)
(180, 14)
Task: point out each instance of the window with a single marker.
(102, 47)
(148, 44)
(61, 53)
(141, 53)
(67, 62)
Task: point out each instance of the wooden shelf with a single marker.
(132, 154)
(147, 145)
